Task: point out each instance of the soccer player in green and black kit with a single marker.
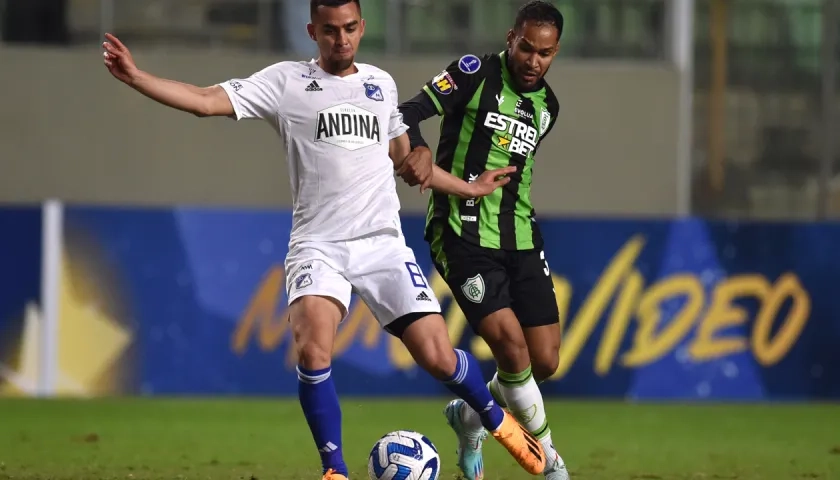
(496, 109)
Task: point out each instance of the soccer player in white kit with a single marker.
(344, 139)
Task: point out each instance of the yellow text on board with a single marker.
(620, 284)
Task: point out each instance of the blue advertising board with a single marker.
(20, 291)
(651, 309)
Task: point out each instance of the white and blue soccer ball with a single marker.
(404, 455)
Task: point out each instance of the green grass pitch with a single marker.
(268, 439)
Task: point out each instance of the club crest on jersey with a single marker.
(302, 281)
(348, 126)
(473, 289)
(373, 92)
(443, 83)
(545, 121)
(469, 64)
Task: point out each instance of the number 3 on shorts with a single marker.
(416, 275)
(545, 270)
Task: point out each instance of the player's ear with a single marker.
(310, 29)
(362, 28)
(511, 36)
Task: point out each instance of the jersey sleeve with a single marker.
(258, 96)
(452, 88)
(396, 126)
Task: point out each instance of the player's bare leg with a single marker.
(314, 322)
(512, 352)
(519, 391)
(428, 342)
(544, 351)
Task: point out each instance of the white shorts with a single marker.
(380, 268)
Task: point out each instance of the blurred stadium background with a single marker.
(689, 198)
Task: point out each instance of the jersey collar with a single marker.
(314, 64)
(509, 80)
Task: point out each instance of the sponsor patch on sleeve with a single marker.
(443, 83)
(469, 64)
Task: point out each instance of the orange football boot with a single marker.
(333, 475)
(526, 449)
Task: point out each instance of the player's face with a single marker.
(338, 31)
(532, 49)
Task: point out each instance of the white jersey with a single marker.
(336, 132)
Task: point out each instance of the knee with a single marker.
(511, 356)
(438, 358)
(313, 356)
(428, 342)
(442, 364)
(313, 330)
(544, 363)
(507, 342)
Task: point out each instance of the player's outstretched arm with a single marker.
(202, 102)
(446, 183)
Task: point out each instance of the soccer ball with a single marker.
(404, 455)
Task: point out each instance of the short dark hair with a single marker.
(539, 12)
(314, 4)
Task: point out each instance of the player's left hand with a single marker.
(490, 180)
(118, 60)
(417, 168)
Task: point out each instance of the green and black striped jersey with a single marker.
(487, 124)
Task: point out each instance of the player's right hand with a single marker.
(118, 60)
(417, 168)
(490, 180)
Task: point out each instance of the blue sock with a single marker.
(469, 385)
(319, 401)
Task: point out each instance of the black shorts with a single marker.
(485, 280)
